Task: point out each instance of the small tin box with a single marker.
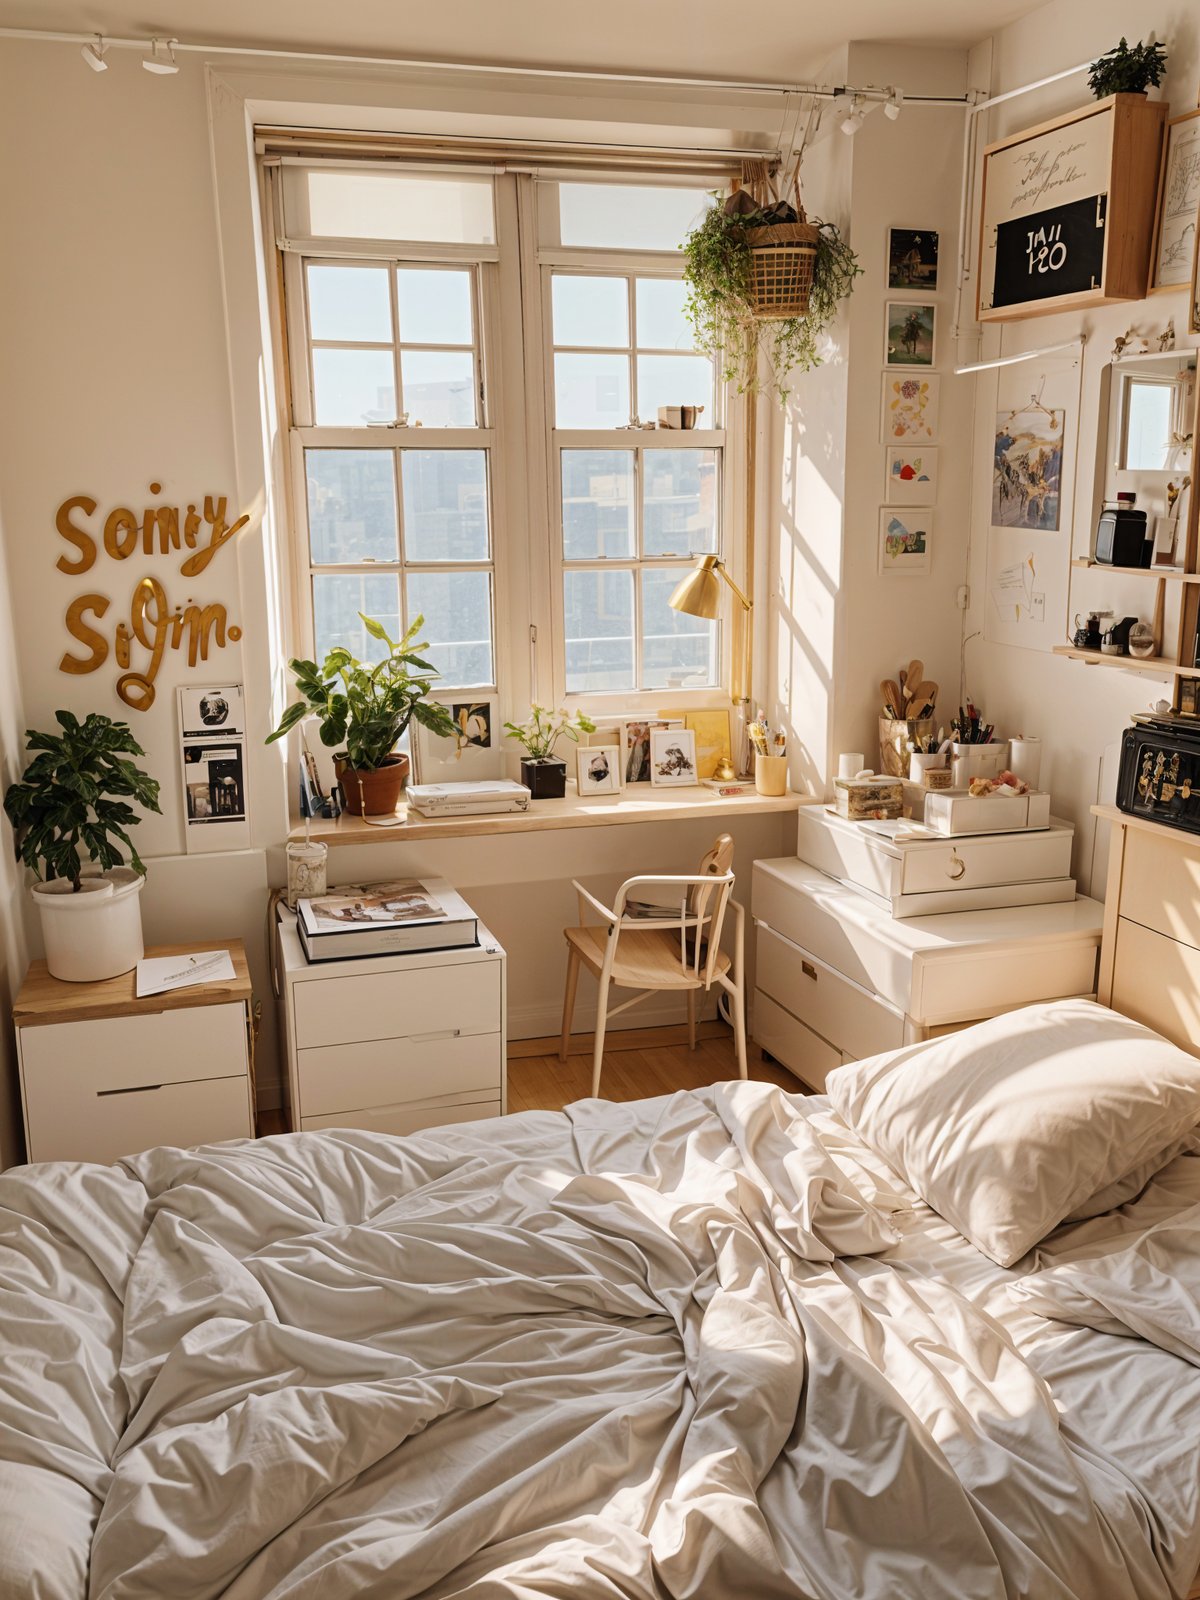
(872, 799)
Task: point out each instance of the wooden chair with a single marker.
(674, 950)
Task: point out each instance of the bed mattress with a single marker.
(649, 1350)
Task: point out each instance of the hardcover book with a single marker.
(392, 918)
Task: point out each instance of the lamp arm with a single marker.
(747, 605)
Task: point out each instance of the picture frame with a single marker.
(635, 742)
(598, 769)
(673, 758)
(905, 542)
(912, 258)
(1189, 698)
(1177, 211)
(1027, 468)
(714, 739)
(475, 752)
(911, 475)
(909, 333)
(909, 409)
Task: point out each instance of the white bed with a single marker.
(640, 1350)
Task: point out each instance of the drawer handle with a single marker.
(429, 1038)
(809, 971)
(956, 862)
(137, 1088)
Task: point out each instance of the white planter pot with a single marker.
(96, 933)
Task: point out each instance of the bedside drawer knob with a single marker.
(429, 1038)
(809, 971)
(957, 866)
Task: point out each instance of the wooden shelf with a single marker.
(1170, 573)
(1160, 666)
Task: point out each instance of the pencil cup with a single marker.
(305, 871)
(770, 775)
(895, 735)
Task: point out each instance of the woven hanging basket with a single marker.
(783, 258)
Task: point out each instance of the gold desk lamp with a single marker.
(699, 595)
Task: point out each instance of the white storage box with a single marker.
(955, 811)
(924, 877)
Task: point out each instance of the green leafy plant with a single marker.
(368, 707)
(727, 327)
(542, 730)
(1128, 69)
(71, 801)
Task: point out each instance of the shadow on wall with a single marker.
(14, 942)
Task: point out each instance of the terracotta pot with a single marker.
(375, 793)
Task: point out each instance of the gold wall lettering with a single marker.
(154, 626)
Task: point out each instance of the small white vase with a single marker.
(96, 933)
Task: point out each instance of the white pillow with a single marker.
(1007, 1127)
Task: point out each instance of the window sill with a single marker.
(656, 805)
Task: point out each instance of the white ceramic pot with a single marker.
(978, 761)
(96, 933)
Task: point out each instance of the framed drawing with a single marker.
(1027, 465)
(912, 258)
(911, 476)
(905, 538)
(910, 408)
(673, 758)
(908, 334)
(1178, 204)
(472, 752)
(598, 769)
(1067, 218)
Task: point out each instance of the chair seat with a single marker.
(646, 958)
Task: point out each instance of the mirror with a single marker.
(1150, 412)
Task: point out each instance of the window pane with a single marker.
(349, 303)
(457, 607)
(351, 505)
(389, 205)
(338, 597)
(676, 649)
(679, 514)
(591, 391)
(597, 505)
(445, 505)
(1147, 425)
(439, 387)
(598, 614)
(352, 388)
(434, 307)
(624, 217)
(661, 323)
(591, 311)
(675, 381)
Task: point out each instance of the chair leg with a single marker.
(737, 1006)
(569, 1000)
(601, 1021)
(691, 1003)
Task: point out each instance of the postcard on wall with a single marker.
(212, 764)
(912, 258)
(1178, 203)
(908, 340)
(205, 712)
(905, 542)
(910, 408)
(1027, 468)
(912, 477)
(475, 749)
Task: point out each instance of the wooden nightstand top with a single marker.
(45, 999)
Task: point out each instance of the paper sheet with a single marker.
(161, 973)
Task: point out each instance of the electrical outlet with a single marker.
(963, 597)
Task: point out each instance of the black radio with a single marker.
(1159, 777)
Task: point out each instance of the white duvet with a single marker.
(637, 1351)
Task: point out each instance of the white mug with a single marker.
(851, 764)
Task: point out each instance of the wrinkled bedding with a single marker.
(698, 1346)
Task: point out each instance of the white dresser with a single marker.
(393, 1043)
(838, 977)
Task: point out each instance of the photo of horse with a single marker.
(909, 340)
(1027, 469)
(912, 258)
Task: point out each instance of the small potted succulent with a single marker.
(367, 707)
(1128, 69)
(542, 772)
(71, 805)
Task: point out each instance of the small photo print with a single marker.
(636, 743)
(904, 542)
(911, 476)
(910, 330)
(673, 758)
(214, 783)
(207, 711)
(910, 408)
(912, 258)
(472, 724)
(598, 769)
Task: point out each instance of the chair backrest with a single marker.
(716, 862)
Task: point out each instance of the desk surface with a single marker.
(632, 805)
(45, 999)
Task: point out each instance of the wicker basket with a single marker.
(782, 260)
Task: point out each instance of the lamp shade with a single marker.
(699, 593)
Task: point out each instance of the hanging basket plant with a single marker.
(763, 279)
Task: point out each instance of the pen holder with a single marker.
(770, 775)
(894, 736)
(978, 761)
(305, 871)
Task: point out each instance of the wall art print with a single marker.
(1027, 468)
(910, 408)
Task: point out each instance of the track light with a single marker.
(93, 54)
(164, 64)
(894, 104)
(854, 118)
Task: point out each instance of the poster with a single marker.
(212, 760)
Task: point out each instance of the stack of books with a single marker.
(397, 918)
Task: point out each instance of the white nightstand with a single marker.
(393, 1043)
(104, 1074)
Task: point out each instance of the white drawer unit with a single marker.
(393, 1043)
(104, 1074)
(835, 962)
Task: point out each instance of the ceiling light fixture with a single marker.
(894, 104)
(93, 54)
(854, 118)
(166, 64)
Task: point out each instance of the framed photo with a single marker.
(473, 751)
(912, 258)
(673, 758)
(909, 333)
(909, 414)
(912, 476)
(713, 741)
(905, 542)
(1178, 204)
(598, 769)
(635, 741)
(1027, 468)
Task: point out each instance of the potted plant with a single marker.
(368, 707)
(1128, 69)
(71, 804)
(733, 264)
(542, 772)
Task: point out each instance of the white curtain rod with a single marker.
(1023, 355)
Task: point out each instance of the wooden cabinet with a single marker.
(393, 1043)
(104, 1074)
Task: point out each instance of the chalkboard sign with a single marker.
(1054, 252)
